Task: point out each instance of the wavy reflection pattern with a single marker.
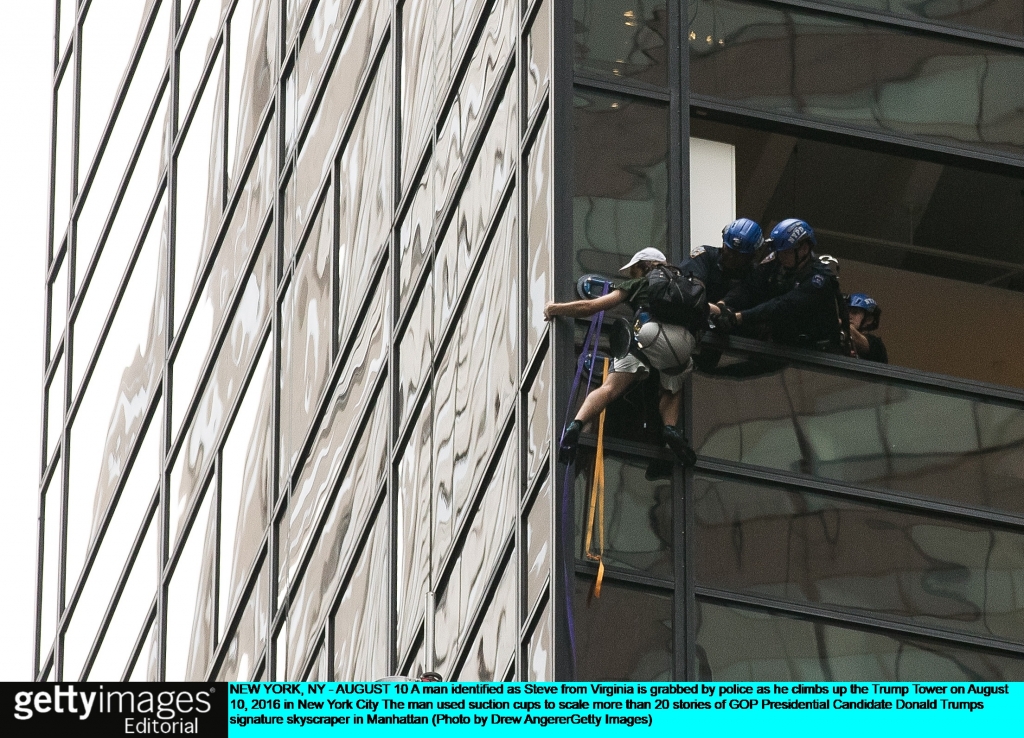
(412, 544)
(490, 652)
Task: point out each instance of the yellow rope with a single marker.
(597, 500)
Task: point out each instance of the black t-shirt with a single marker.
(636, 292)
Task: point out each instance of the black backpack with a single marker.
(677, 298)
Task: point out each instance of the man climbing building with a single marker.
(792, 297)
(664, 342)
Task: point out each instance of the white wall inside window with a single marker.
(712, 191)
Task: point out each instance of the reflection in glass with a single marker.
(465, 115)
(51, 535)
(196, 50)
(55, 408)
(120, 391)
(804, 547)
(114, 548)
(538, 412)
(132, 609)
(246, 488)
(538, 57)
(361, 621)
(365, 209)
(67, 10)
(200, 197)
(489, 653)
(452, 32)
(306, 336)
(475, 385)
(637, 515)
(620, 171)
(540, 234)
(622, 38)
(879, 433)
(857, 74)
(540, 653)
(315, 49)
(418, 93)
(474, 213)
(539, 544)
(736, 644)
(603, 653)
(62, 185)
(191, 599)
(474, 565)
(110, 33)
(249, 637)
(998, 16)
(146, 668)
(413, 533)
(331, 447)
(330, 555)
(111, 168)
(415, 238)
(250, 77)
(415, 350)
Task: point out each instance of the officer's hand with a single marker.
(725, 320)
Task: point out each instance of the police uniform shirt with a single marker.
(707, 267)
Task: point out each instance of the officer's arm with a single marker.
(698, 266)
(584, 308)
(804, 299)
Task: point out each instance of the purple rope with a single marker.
(593, 336)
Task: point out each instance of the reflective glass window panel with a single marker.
(622, 38)
(132, 608)
(306, 336)
(197, 452)
(360, 623)
(365, 195)
(332, 115)
(467, 229)
(916, 235)
(119, 393)
(126, 519)
(200, 183)
(55, 408)
(51, 557)
(246, 489)
(540, 233)
(418, 94)
(489, 653)
(538, 56)
(196, 49)
(857, 74)
(249, 636)
(538, 410)
(637, 513)
(465, 115)
(798, 546)
(110, 170)
(602, 653)
(475, 386)
(539, 545)
(620, 168)
(315, 49)
(330, 554)
(110, 32)
(923, 442)
(475, 563)
(737, 644)
(452, 33)
(413, 538)
(248, 83)
(415, 350)
(191, 598)
(62, 185)
(997, 16)
(68, 10)
(58, 305)
(415, 238)
(540, 654)
(146, 667)
(353, 394)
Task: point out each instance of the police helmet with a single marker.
(790, 233)
(742, 236)
(867, 304)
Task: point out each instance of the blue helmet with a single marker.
(789, 233)
(867, 304)
(742, 236)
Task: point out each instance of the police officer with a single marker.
(865, 314)
(792, 297)
(723, 270)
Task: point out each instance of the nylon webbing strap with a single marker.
(597, 501)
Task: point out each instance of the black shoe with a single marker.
(677, 442)
(658, 469)
(570, 440)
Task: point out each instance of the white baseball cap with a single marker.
(648, 254)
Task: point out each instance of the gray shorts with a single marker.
(667, 348)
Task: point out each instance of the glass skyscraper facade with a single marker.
(302, 407)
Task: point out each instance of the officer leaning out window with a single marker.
(865, 315)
